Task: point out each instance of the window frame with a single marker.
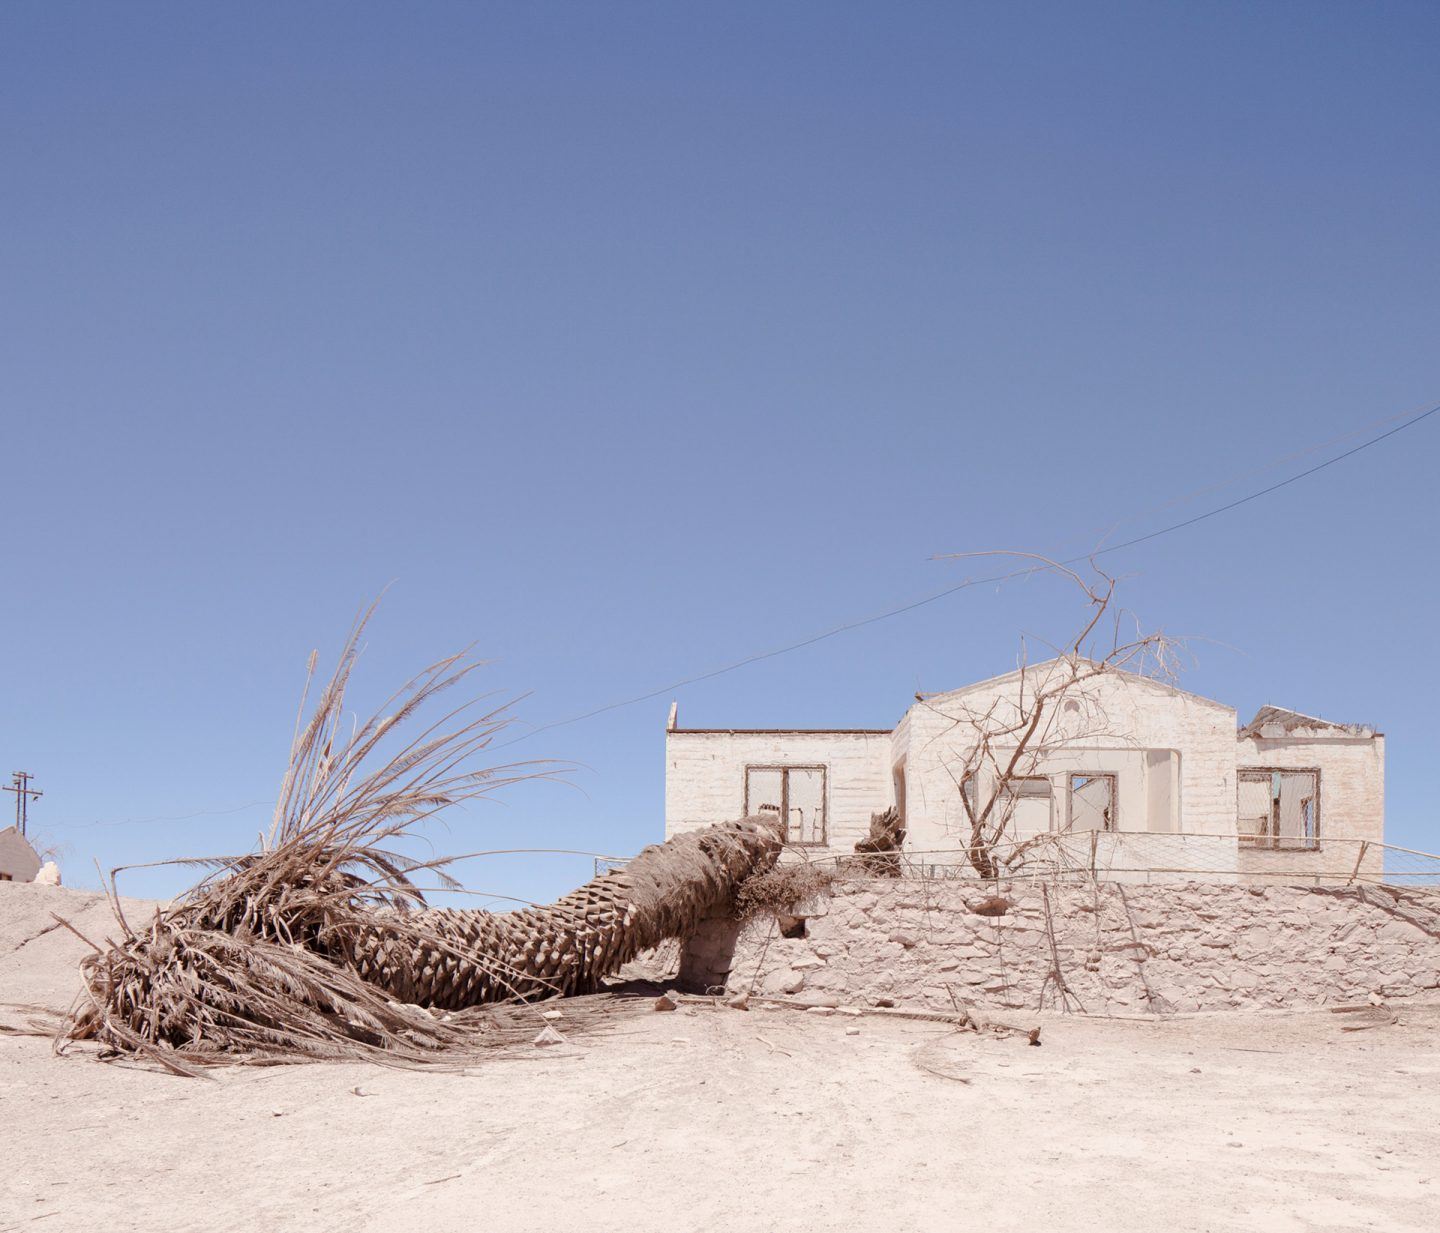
(1011, 788)
(1272, 840)
(1114, 777)
(1014, 789)
(785, 768)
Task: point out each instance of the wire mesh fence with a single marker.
(1146, 856)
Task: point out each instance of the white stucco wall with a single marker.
(705, 776)
(1191, 786)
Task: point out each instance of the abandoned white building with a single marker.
(19, 862)
(1135, 776)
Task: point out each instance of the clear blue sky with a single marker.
(630, 339)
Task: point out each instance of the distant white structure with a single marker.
(19, 862)
(1285, 792)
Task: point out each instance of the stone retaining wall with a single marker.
(1104, 949)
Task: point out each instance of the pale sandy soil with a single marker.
(729, 1120)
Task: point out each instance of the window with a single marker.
(1028, 805)
(796, 793)
(1022, 806)
(1092, 801)
(1278, 808)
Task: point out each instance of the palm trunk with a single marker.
(451, 959)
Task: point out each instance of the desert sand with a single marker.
(711, 1118)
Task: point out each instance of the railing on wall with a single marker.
(1148, 856)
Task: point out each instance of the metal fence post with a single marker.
(1355, 873)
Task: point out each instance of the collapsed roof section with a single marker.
(1278, 722)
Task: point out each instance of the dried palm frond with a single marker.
(779, 890)
(320, 944)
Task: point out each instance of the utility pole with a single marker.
(23, 792)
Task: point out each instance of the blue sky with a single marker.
(628, 340)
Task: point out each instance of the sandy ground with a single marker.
(721, 1119)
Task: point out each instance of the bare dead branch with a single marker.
(988, 753)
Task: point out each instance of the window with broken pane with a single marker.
(1278, 808)
(1092, 802)
(796, 793)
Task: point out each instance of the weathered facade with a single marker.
(1135, 776)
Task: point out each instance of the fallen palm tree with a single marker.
(321, 944)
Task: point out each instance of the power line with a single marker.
(1263, 492)
(184, 817)
(1221, 485)
(971, 582)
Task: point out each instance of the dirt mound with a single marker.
(39, 957)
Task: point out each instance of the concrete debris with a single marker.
(784, 981)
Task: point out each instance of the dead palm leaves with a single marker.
(320, 945)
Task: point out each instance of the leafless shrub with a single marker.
(1010, 738)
